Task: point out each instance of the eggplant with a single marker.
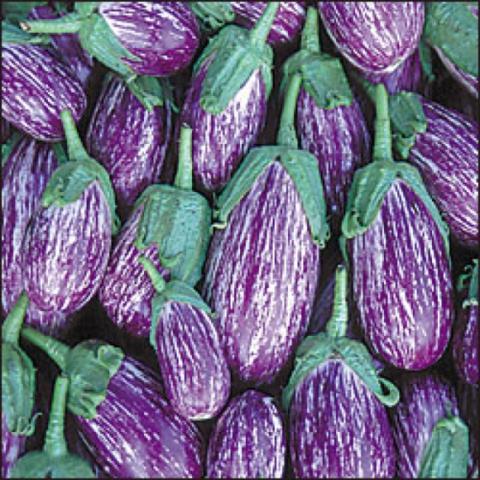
(26, 172)
(127, 139)
(121, 414)
(336, 401)
(226, 103)
(398, 247)
(465, 338)
(67, 242)
(428, 432)
(375, 37)
(36, 88)
(248, 440)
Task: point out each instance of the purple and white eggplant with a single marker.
(336, 402)
(399, 251)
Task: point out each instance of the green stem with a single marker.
(287, 134)
(259, 33)
(55, 349)
(155, 276)
(382, 147)
(75, 148)
(310, 35)
(55, 444)
(13, 323)
(67, 24)
(184, 178)
(337, 325)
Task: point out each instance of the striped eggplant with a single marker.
(26, 172)
(226, 102)
(121, 413)
(274, 203)
(67, 242)
(427, 430)
(375, 37)
(465, 338)
(399, 253)
(36, 88)
(336, 402)
(468, 397)
(248, 440)
(127, 139)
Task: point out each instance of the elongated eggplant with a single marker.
(427, 404)
(399, 252)
(336, 402)
(465, 339)
(130, 141)
(26, 172)
(374, 36)
(248, 440)
(67, 242)
(36, 88)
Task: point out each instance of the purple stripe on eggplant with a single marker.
(340, 141)
(36, 87)
(65, 252)
(193, 367)
(288, 20)
(338, 428)
(375, 37)
(164, 35)
(248, 440)
(425, 399)
(402, 282)
(137, 434)
(128, 140)
(447, 157)
(25, 175)
(13, 447)
(465, 345)
(260, 277)
(220, 141)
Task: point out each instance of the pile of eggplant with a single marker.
(240, 240)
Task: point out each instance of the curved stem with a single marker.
(287, 134)
(13, 323)
(259, 33)
(55, 444)
(55, 349)
(382, 148)
(67, 24)
(155, 276)
(310, 35)
(75, 148)
(337, 325)
(184, 177)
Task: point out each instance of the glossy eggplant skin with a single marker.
(340, 141)
(425, 398)
(137, 434)
(375, 37)
(164, 35)
(126, 291)
(128, 140)
(248, 440)
(65, 252)
(447, 157)
(286, 26)
(36, 87)
(260, 278)
(193, 367)
(220, 141)
(402, 282)
(338, 428)
(25, 175)
(13, 447)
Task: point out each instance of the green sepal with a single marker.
(470, 277)
(213, 15)
(425, 54)
(16, 11)
(151, 92)
(90, 365)
(446, 453)
(453, 28)
(71, 179)
(85, 9)
(12, 34)
(178, 222)
(8, 146)
(60, 153)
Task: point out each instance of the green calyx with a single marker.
(54, 461)
(11, 34)
(452, 28)
(425, 55)
(151, 92)
(213, 15)
(446, 453)
(470, 278)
